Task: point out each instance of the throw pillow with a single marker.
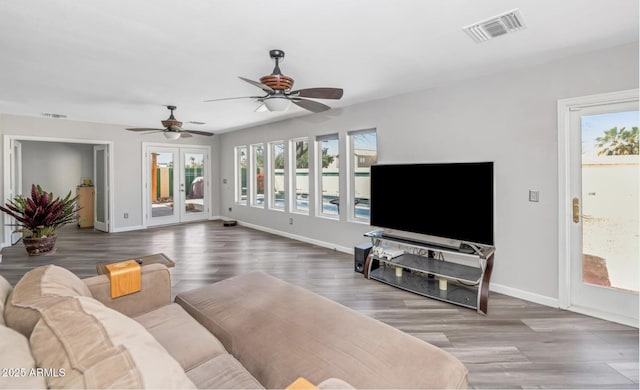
(36, 290)
(5, 290)
(101, 348)
(16, 362)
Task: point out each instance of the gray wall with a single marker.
(57, 167)
(509, 118)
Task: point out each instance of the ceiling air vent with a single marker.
(53, 115)
(494, 27)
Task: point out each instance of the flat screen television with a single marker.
(453, 201)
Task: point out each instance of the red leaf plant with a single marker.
(41, 215)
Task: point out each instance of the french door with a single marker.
(177, 185)
(15, 183)
(101, 187)
(599, 197)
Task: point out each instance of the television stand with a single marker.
(458, 276)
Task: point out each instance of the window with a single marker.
(329, 178)
(300, 179)
(277, 173)
(241, 175)
(257, 175)
(363, 148)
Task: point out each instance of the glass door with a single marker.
(100, 174)
(15, 184)
(604, 172)
(162, 190)
(177, 189)
(193, 188)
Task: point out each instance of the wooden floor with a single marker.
(517, 345)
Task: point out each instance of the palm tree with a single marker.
(618, 142)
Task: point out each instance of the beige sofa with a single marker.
(251, 331)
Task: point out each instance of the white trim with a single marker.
(323, 244)
(565, 106)
(128, 229)
(146, 179)
(6, 174)
(605, 316)
(525, 295)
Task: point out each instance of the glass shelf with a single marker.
(446, 269)
(428, 287)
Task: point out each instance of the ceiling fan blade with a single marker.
(196, 132)
(239, 97)
(263, 87)
(185, 134)
(318, 93)
(144, 129)
(310, 105)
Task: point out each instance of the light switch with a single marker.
(534, 196)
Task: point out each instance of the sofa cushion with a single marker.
(5, 290)
(181, 335)
(16, 362)
(279, 332)
(36, 290)
(223, 372)
(99, 348)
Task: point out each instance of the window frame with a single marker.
(238, 175)
(272, 175)
(353, 170)
(293, 182)
(253, 167)
(320, 212)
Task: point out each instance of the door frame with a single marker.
(146, 179)
(9, 140)
(565, 106)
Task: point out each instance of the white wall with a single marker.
(127, 157)
(508, 118)
(57, 167)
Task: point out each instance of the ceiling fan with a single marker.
(278, 94)
(172, 128)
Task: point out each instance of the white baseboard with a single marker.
(323, 244)
(526, 295)
(127, 229)
(510, 291)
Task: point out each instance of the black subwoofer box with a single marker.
(360, 256)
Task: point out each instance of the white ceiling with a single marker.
(120, 61)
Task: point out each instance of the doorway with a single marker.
(60, 173)
(176, 184)
(599, 205)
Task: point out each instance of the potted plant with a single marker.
(39, 217)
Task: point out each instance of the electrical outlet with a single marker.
(224, 181)
(126, 215)
(230, 209)
(290, 221)
(534, 196)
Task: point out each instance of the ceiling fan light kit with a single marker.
(171, 135)
(277, 104)
(279, 95)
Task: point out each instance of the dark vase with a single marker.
(39, 246)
